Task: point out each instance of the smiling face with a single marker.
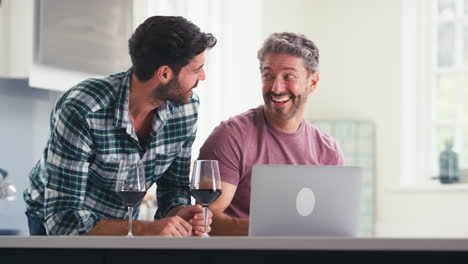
(286, 86)
(179, 89)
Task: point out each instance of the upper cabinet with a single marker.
(56, 44)
(16, 38)
(75, 40)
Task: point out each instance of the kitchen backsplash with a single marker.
(24, 128)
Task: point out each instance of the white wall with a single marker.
(232, 84)
(360, 52)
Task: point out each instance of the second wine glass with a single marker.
(205, 185)
(131, 187)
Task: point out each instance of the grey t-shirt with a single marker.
(248, 139)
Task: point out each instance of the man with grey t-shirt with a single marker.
(273, 133)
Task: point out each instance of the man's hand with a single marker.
(173, 226)
(195, 216)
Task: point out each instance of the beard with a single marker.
(282, 113)
(172, 91)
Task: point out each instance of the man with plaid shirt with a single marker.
(147, 114)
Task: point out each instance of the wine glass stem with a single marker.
(205, 210)
(130, 218)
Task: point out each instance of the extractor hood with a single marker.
(75, 40)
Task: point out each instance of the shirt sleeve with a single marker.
(69, 147)
(339, 155)
(224, 145)
(174, 186)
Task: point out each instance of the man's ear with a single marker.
(164, 73)
(313, 81)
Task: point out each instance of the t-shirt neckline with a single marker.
(276, 131)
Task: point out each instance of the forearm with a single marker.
(174, 211)
(108, 227)
(226, 225)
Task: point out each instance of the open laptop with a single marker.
(302, 200)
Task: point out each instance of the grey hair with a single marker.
(297, 45)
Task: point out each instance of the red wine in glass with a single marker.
(205, 185)
(206, 196)
(131, 198)
(131, 187)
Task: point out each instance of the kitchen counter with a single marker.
(231, 249)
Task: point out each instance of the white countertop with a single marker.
(235, 243)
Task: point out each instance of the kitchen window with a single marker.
(435, 88)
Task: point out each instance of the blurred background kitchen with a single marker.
(393, 89)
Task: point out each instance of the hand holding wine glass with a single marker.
(131, 187)
(205, 185)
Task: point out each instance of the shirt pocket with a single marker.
(105, 167)
(162, 161)
(170, 149)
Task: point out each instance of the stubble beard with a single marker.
(278, 113)
(171, 91)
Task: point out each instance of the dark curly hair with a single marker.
(166, 40)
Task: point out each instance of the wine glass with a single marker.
(131, 186)
(205, 185)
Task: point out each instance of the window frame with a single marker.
(419, 149)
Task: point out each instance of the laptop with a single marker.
(303, 200)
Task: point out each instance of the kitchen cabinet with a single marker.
(56, 44)
(84, 43)
(19, 19)
(16, 38)
(75, 41)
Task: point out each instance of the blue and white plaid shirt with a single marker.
(72, 185)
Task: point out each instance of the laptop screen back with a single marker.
(303, 200)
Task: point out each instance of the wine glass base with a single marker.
(205, 235)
